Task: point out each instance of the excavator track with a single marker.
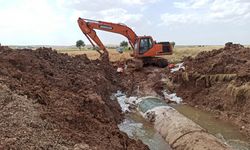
(135, 64)
(155, 61)
(139, 63)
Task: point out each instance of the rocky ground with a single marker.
(218, 81)
(55, 101)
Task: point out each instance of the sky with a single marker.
(186, 22)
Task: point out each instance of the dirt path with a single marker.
(219, 81)
(54, 101)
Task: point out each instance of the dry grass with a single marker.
(211, 79)
(183, 51)
(179, 53)
(218, 77)
(92, 54)
(241, 93)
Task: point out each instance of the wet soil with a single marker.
(55, 101)
(145, 82)
(218, 81)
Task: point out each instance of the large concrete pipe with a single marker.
(180, 132)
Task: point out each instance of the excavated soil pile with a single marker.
(219, 81)
(144, 82)
(54, 101)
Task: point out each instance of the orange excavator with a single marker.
(145, 49)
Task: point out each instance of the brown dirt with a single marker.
(145, 82)
(219, 81)
(55, 101)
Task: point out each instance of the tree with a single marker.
(124, 44)
(80, 44)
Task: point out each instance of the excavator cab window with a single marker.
(145, 45)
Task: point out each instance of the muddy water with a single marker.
(225, 131)
(137, 128)
(221, 129)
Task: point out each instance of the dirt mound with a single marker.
(65, 102)
(219, 81)
(231, 59)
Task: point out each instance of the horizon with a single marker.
(186, 22)
(116, 44)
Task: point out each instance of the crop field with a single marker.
(179, 52)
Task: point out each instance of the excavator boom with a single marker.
(87, 26)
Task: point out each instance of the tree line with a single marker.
(80, 44)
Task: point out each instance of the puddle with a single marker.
(221, 129)
(137, 128)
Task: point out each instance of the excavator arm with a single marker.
(87, 26)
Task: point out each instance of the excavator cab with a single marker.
(142, 45)
(145, 46)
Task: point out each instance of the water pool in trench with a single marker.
(138, 128)
(221, 129)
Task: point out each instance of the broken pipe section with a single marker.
(180, 132)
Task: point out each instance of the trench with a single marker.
(137, 127)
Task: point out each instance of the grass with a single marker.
(240, 93)
(92, 54)
(184, 51)
(179, 52)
